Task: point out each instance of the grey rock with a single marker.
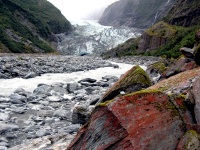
(7, 127)
(11, 136)
(87, 80)
(21, 92)
(17, 99)
(73, 128)
(4, 116)
(61, 113)
(49, 120)
(71, 87)
(19, 110)
(54, 99)
(41, 133)
(31, 135)
(80, 115)
(110, 78)
(3, 148)
(4, 144)
(3, 139)
(58, 89)
(30, 75)
(187, 52)
(30, 128)
(43, 89)
(3, 106)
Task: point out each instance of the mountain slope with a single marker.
(135, 13)
(29, 26)
(184, 13)
(183, 18)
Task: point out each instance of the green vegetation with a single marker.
(28, 26)
(136, 75)
(179, 37)
(162, 29)
(158, 66)
(126, 49)
(183, 38)
(103, 104)
(146, 91)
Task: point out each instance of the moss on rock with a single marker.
(133, 80)
(161, 29)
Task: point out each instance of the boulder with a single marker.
(71, 87)
(181, 65)
(190, 141)
(7, 127)
(80, 115)
(30, 75)
(155, 118)
(187, 52)
(197, 55)
(142, 120)
(133, 80)
(196, 95)
(42, 90)
(87, 80)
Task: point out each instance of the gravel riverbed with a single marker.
(52, 113)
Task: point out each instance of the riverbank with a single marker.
(50, 103)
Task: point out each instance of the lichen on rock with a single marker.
(133, 80)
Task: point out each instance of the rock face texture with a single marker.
(135, 13)
(156, 36)
(184, 13)
(160, 117)
(133, 80)
(146, 120)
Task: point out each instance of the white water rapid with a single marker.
(8, 86)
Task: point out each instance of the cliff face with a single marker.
(29, 26)
(184, 13)
(156, 36)
(135, 13)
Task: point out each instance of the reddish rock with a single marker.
(181, 65)
(196, 95)
(104, 131)
(188, 66)
(143, 120)
(174, 69)
(190, 141)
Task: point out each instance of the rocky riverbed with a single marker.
(50, 113)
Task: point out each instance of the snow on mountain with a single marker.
(92, 38)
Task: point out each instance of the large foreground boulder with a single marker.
(143, 120)
(160, 117)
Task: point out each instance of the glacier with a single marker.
(89, 37)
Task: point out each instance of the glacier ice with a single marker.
(92, 38)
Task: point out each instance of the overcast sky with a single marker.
(81, 9)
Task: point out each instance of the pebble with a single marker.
(48, 110)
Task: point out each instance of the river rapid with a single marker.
(41, 96)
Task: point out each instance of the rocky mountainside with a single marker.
(184, 13)
(165, 38)
(30, 26)
(135, 13)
